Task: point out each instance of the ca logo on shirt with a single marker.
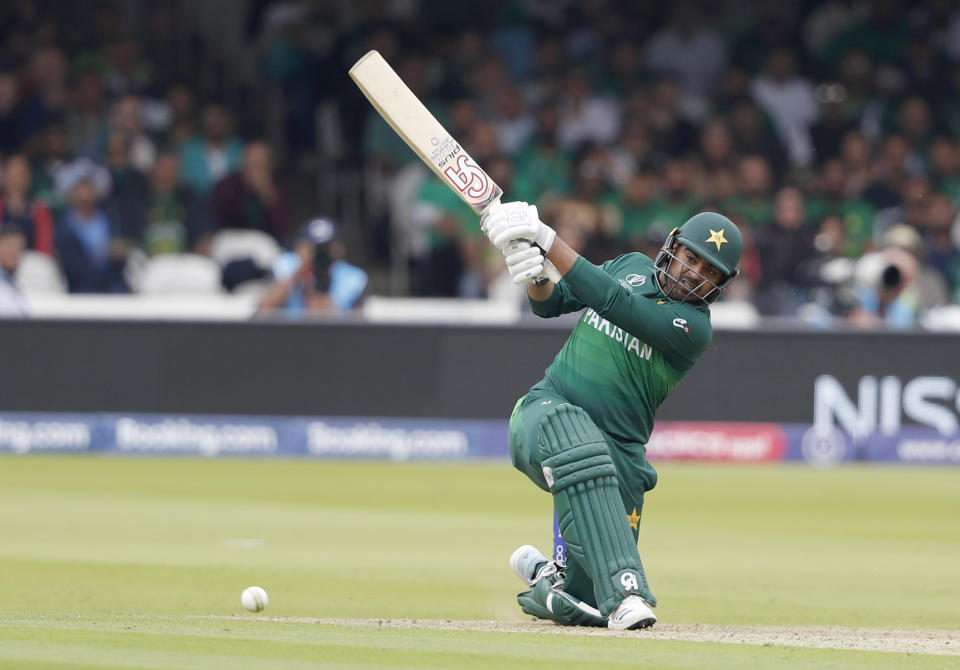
(681, 324)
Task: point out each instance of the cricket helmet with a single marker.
(712, 237)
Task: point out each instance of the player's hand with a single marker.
(524, 261)
(509, 221)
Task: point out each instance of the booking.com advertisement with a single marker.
(886, 419)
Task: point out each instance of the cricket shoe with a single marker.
(632, 612)
(530, 565)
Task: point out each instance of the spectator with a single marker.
(826, 135)
(716, 146)
(884, 291)
(882, 32)
(513, 123)
(90, 246)
(632, 153)
(689, 51)
(890, 174)
(910, 208)
(942, 254)
(826, 21)
(549, 68)
(17, 208)
(789, 100)
(893, 286)
(926, 68)
(785, 250)
(678, 202)
(582, 220)
(13, 123)
(12, 243)
(484, 80)
(770, 25)
(626, 66)
(314, 276)
(638, 205)
(129, 189)
(87, 118)
(482, 142)
(714, 159)
(47, 92)
(437, 271)
(175, 218)
(942, 162)
(831, 293)
(543, 168)
(217, 153)
(733, 86)
(752, 204)
(126, 120)
(592, 175)
(948, 111)
(890, 87)
(671, 132)
(857, 162)
(752, 135)
(914, 123)
(53, 153)
(181, 101)
(126, 72)
(251, 198)
(585, 117)
(832, 198)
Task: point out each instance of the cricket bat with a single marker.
(414, 123)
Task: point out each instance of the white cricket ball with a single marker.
(254, 598)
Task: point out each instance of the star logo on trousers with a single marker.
(634, 519)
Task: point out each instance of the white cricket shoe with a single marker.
(530, 565)
(632, 612)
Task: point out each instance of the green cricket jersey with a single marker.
(631, 346)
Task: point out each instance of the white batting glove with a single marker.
(524, 262)
(505, 222)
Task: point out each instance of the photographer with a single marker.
(893, 286)
(314, 276)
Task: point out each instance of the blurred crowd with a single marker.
(828, 130)
(110, 158)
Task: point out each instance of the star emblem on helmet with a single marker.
(716, 236)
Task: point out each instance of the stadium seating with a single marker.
(231, 245)
(38, 273)
(175, 274)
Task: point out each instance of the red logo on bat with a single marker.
(469, 179)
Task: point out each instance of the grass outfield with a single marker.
(139, 563)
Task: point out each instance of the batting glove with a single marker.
(524, 262)
(506, 222)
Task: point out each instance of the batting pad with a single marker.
(581, 475)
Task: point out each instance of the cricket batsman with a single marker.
(581, 432)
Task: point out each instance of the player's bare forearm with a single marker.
(563, 258)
